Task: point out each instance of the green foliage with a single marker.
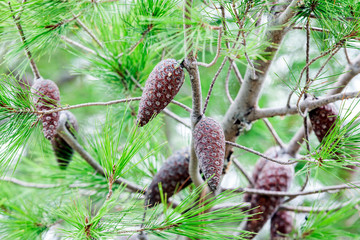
(16, 122)
(320, 225)
(113, 152)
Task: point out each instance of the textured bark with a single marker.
(236, 117)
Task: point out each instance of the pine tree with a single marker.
(244, 61)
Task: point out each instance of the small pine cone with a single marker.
(46, 95)
(323, 119)
(273, 177)
(62, 150)
(209, 143)
(173, 175)
(281, 225)
(163, 84)
(258, 168)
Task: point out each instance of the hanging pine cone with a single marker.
(273, 177)
(281, 225)
(163, 84)
(62, 150)
(323, 119)
(173, 176)
(260, 164)
(209, 143)
(46, 95)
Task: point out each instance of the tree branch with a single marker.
(334, 188)
(69, 139)
(247, 98)
(186, 108)
(244, 172)
(40, 185)
(217, 51)
(212, 83)
(33, 65)
(273, 133)
(79, 45)
(351, 71)
(260, 154)
(309, 104)
(91, 34)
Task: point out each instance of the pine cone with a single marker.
(209, 143)
(173, 175)
(46, 95)
(323, 119)
(62, 150)
(163, 84)
(274, 177)
(258, 168)
(281, 225)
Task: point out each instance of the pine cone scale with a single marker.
(162, 85)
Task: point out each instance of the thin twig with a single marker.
(91, 34)
(133, 47)
(315, 29)
(212, 63)
(79, 45)
(194, 75)
(102, 104)
(176, 117)
(305, 209)
(260, 154)
(54, 26)
(227, 83)
(244, 172)
(273, 133)
(40, 185)
(212, 83)
(33, 65)
(309, 104)
(347, 56)
(334, 188)
(326, 62)
(237, 73)
(69, 139)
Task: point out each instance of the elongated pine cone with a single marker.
(163, 84)
(62, 150)
(46, 95)
(323, 119)
(173, 176)
(273, 177)
(281, 225)
(209, 143)
(260, 164)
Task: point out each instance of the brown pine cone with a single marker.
(209, 143)
(62, 150)
(163, 84)
(46, 95)
(281, 225)
(323, 119)
(173, 175)
(258, 168)
(273, 177)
